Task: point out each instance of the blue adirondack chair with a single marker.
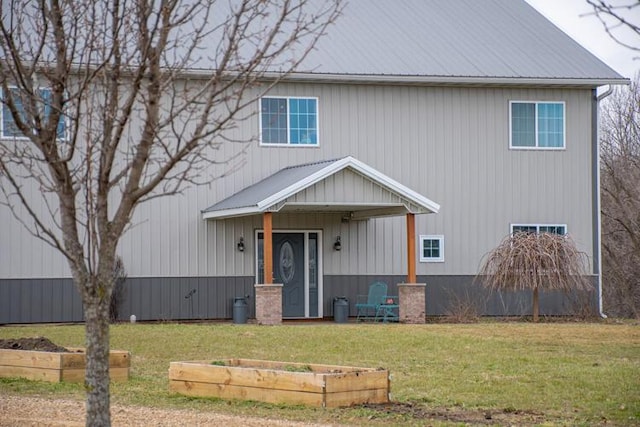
(368, 308)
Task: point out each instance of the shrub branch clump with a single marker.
(529, 261)
(536, 261)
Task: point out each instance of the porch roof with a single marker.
(344, 185)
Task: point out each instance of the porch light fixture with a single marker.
(337, 245)
(241, 244)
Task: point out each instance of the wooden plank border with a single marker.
(56, 367)
(280, 382)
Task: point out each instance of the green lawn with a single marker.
(547, 373)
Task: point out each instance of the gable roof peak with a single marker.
(271, 193)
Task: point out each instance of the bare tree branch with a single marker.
(117, 102)
(618, 18)
(620, 195)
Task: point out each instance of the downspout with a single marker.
(605, 94)
(598, 210)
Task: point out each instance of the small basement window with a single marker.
(539, 228)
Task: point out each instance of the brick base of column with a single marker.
(412, 302)
(269, 304)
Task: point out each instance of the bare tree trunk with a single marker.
(96, 311)
(536, 305)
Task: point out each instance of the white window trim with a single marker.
(520, 224)
(438, 237)
(564, 125)
(288, 144)
(2, 135)
(26, 138)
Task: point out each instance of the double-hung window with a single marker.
(289, 121)
(537, 125)
(8, 128)
(432, 248)
(539, 228)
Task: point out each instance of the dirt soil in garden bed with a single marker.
(464, 416)
(35, 344)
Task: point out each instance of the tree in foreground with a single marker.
(110, 104)
(620, 196)
(535, 261)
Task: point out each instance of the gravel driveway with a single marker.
(21, 411)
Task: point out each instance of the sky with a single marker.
(575, 18)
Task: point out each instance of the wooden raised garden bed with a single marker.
(279, 382)
(55, 367)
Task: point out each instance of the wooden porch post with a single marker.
(411, 248)
(268, 294)
(412, 294)
(267, 224)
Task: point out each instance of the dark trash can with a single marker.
(240, 310)
(340, 309)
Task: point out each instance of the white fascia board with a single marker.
(362, 168)
(395, 186)
(228, 213)
(302, 184)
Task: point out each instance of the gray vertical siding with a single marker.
(57, 301)
(450, 144)
(39, 301)
(444, 292)
(166, 298)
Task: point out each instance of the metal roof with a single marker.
(271, 193)
(452, 40)
(466, 38)
(483, 42)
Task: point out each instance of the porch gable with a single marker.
(342, 185)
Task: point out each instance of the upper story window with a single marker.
(539, 228)
(289, 121)
(432, 248)
(537, 125)
(8, 128)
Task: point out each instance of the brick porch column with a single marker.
(269, 304)
(412, 302)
